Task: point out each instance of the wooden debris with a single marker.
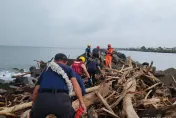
(174, 79)
(104, 102)
(8, 114)
(147, 94)
(153, 86)
(89, 90)
(127, 102)
(111, 113)
(124, 92)
(16, 108)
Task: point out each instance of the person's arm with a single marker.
(99, 54)
(85, 70)
(35, 93)
(107, 51)
(78, 92)
(112, 51)
(97, 65)
(99, 69)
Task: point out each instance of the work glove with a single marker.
(82, 110)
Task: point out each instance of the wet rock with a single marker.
(167, 75)
(70, 61)
(21, 70)
(2, 81)
(121, 55)
(32, 68)
(115, 58)
(15, 69)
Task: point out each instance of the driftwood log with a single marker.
(90, 98)
(127, 102)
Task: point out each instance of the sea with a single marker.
(15, 58)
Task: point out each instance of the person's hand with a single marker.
(82, 105)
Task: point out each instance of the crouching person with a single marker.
(80, 68)
(52, 94)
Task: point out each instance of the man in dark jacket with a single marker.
(88, 51)
(96, 52)
(53, 90)
(92, 67)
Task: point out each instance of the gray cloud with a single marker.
(124, 23)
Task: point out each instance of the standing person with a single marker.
(93, 67)
(96, 52)
(109, 52)
(88, 51)
(80, 68)
(53, 90)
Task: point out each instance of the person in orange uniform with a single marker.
(109, 52)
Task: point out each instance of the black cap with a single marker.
(60, 56)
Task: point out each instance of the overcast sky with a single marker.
(76, 23)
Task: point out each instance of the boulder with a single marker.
(2, 81)
(25, 81)
(167, 76)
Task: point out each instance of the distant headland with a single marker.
(145, 49)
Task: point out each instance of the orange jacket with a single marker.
(109, 51)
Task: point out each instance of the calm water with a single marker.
(162, 61)
(22, 57)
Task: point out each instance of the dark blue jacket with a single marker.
(51, 80)
(88, 51)
(92, 64)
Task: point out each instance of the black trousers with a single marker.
(92, 73)
(58, 104)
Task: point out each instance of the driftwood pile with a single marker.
(130, 92)
(12, 97)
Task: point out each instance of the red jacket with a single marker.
(77, 67)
